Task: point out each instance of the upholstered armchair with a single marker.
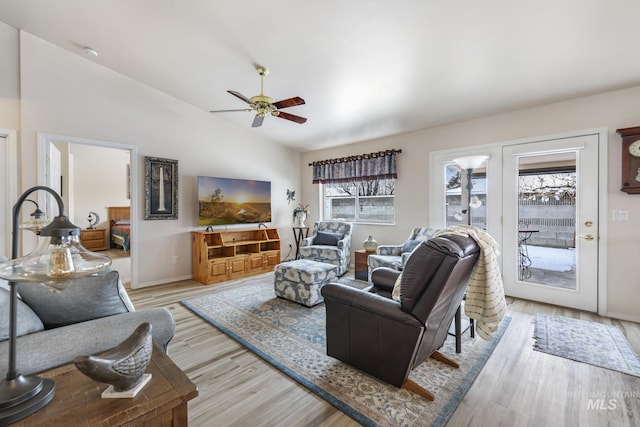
(330, 242)
(395, 256)
(387, 337)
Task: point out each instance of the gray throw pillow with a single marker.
(85, 298)
(326, 238)
(3, 283)
(28, 321)
(409, 245)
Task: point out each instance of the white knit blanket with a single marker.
(485, 302)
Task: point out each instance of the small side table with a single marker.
(299, 234)
(362, 264)
(162, 402)
(93, 239)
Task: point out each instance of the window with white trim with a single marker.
(369, 201)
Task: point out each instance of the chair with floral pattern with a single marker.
(330, 242)
(395, 256)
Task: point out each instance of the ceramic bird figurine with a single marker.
(121, 366)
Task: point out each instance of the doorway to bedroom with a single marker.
(94, 178)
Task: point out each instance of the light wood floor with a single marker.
(517, 386)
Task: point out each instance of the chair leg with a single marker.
(421, 391)
(458, 325)
(444, 359)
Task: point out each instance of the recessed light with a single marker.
(90, 51)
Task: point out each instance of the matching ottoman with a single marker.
(301, 280)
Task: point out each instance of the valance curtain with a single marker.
(380, 165)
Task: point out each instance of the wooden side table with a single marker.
(362, 265)
(162, 402)
(299, 234)
(93, 239)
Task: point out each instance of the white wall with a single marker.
(616, 109)
(99, 181)
(9, 78)
(66, 94)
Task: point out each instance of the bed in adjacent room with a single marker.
(120, 227)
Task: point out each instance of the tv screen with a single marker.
(223, 201)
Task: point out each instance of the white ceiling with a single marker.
(366, 68)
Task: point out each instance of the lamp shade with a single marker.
(37, 222)
(59, 256)
(470, 162)
(38, 219)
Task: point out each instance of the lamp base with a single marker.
(22, 396)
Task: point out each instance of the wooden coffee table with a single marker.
(162, 402)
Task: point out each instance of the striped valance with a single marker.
(379, 165)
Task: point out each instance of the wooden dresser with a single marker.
(94, 239)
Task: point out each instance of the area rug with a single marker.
(587, 342)
(291, 337)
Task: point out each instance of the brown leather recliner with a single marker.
(372, 332)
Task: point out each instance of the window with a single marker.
(369, 201)
(456, 208)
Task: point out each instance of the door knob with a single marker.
(586, 237)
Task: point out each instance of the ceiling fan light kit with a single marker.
(264, 105)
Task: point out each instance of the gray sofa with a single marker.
(91, 315)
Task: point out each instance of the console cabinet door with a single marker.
(218, 271)
(256, 262)
(272, 258)
(238, 266)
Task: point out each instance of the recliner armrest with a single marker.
(384, 278)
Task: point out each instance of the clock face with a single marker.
(634, 148)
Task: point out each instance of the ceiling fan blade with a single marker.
(291, 117)
(239, 95)
(257, 121)
(228, 111)
(291, 102)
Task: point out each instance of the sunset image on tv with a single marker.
(223, 201)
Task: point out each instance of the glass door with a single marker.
(550, 221)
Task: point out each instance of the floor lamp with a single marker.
(468, 164)
(58, 258)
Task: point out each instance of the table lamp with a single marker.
(58, 258)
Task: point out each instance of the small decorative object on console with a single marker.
(122, 366)
(370, 245)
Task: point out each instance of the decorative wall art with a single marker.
(161, 188)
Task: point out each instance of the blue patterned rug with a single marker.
(587, 342)
(291, 337)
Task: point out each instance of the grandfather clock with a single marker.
(630, 159)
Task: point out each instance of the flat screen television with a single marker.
(225, 201)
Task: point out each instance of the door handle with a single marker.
(586, 237)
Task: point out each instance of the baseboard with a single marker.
(162, 281)
(621, 316)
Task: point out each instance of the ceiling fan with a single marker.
(264, 105)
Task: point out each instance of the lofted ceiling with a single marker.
(366, 68)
